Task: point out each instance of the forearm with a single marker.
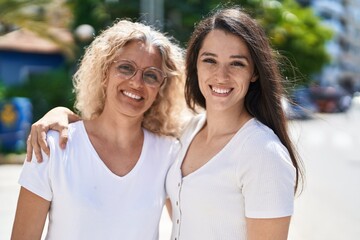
(72, 117)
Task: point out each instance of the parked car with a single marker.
(331, 99)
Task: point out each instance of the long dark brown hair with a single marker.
(263, 99)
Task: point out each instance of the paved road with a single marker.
(8, 196)
(329, 207)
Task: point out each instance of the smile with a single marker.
(132, 95)
(221, 90)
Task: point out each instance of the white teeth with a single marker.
(221, 90)
(131, 95)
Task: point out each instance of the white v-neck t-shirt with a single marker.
(252, 176)
(88, 201)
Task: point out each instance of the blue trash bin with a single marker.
(15, 123)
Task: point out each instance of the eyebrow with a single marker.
(232, 56)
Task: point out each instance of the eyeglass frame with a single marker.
(142, 72)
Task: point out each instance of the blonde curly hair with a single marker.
(163, 117)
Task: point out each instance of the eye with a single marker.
(237, 64)
(209, 60)
(151, 76)
(126, 68)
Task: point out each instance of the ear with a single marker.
(254, 78)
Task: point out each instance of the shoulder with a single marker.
(74, 129)
(264, 160)
(160, 143)
(193, 125)
(160, 147)
(75, 137)
(258, 134)
(159, 140)
(260, 130)
(262, 147)
(195, 121)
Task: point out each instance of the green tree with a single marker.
(32, 15)
(45, 90)
(23, 13)
(294, 31)
(297, 33)
(92, 12)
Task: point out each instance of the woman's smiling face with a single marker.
(225, 70)
(132, 96)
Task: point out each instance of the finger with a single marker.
(34, 143)
(29, 149)
(62, 128)
(43, 143)
(63, 137)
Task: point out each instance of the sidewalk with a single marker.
(9, 190)
(12, 158)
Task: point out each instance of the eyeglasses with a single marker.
(151, 76)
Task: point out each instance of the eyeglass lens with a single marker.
(151, 75)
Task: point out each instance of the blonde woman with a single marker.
(108, 183)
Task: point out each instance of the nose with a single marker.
(137, 79)
(222, 74)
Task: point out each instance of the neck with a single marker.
(120, 130)
(225, 122)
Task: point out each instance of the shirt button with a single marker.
(177, 221)
(177, 203)
(178, 184)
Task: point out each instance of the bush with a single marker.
(45, 90)
(2, 90)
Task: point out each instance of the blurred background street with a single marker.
(328, 208)
(41, 42)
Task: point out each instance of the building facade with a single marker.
(343, 16)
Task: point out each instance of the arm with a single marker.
(30, 216)
(268, 183)
(56, 119)
(267, 229)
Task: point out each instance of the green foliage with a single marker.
(92, 12)
(123, 9)
(12, 13)
(294, 31)
(99, 14)
(2, 90)
(46, 91)
(31, 15)
(182, 15)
